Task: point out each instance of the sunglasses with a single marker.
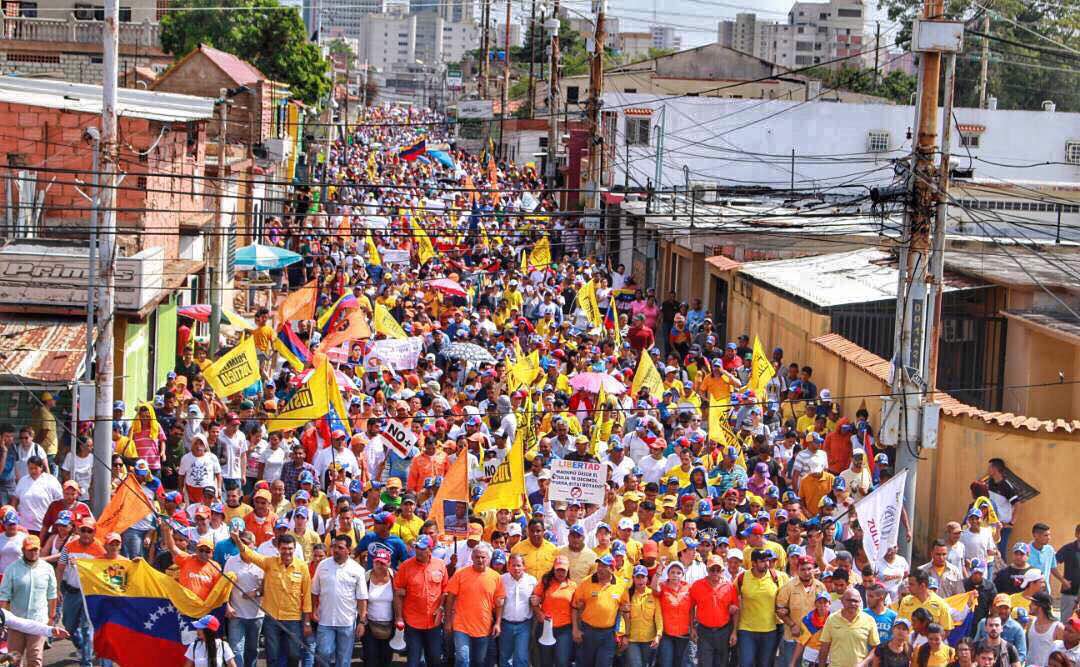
(86, 530)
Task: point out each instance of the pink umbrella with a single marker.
(447, 286)
(592, 382)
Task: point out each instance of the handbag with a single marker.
(381, 630)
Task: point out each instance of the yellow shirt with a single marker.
(407, 529)
(538, 560)
(805, 424)
(238, 512)
(633, 551)
(938, 608)
(682, 475)
(321, 504)
(781, 556)
(264, 338)
(582, 563)
(646, 621)
(286, 588)
(599, 603)
(307, 541)
(849, 642)
(758, 601)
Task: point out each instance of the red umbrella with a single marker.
(447, 286)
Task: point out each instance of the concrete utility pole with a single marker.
(505, 99)
(217, 285)
(596, 91)
(910, 415)
(485, 46)
(532, 60)
(551, 168)
(103, 400)
(984, 59)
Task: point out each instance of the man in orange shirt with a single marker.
(815, 486)
(474, 601)
(198, 573)
(714, 615)
(260, 520)
(428, 464)
(419, 591)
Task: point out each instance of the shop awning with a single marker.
(41, 351)
(613, 198)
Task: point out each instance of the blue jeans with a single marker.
(712, 646)
(672, 650)
(757, 649)
(1003, 544)
(561, 652)
(244, 639)
(307, 649)
(131, 543)
(514, 643)
(469, 651)
(334, 644)
(424, 644)
(78, 625)
(639, 654)
(787, 649)
(597, 646)
(283, 641)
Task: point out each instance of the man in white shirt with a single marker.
(244, 616)
(339, 603)
(336, 453)
(978, 544)
(232, 445)
(516, 613)
(618, 462)
(655, 464)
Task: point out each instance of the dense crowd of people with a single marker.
(724, 538)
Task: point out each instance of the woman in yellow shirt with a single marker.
(936, 652)
(642, 622)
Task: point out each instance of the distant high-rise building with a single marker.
(665, 38)
(815, 32)
(387, 39)
(517, 38)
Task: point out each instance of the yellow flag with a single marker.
(646, 375)
(333, 392)
(235, 371)
(309, 402)
(425, 252)
(386, 324)
(586, 299)
(761, 371)
(507, 486)
(719, 431)
(524, 262)
(373, 251)
(524, 370)
(541, 253)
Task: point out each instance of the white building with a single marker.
(815, 32)
(633, 45)
(517, 37)
(665, 38)
(387, 39)
(459, 37)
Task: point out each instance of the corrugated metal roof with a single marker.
(166, 107)
(1061, 324)
(42, 350)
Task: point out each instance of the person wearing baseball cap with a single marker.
(582, 559)
(197, 573)
(29, 592)
(715, 603)
(419, 589)
(643, 628)
(597, 601)
(209, 648)
(380, 534)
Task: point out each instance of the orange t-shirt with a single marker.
(675, 606)
(199, 578)
(423, 585)
(556, 603)
(713, 604)
(263, 530)
(476, 594)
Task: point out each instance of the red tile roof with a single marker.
(723, 263)
(240, 71)
(879, 368)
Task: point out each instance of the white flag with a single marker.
(879, 516)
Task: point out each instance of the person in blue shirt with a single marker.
(876, 599)
(380, 534)
(225, 548)
(7, 451)
(1042, 554)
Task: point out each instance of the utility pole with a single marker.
(910, 413)
(217, 283)
(551, 175)
(505, 100)
(596, 92)
(877, 50)
(103, 399)
(984, 59)
(485, 46)
(532, 60)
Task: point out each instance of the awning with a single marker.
(41, 351)
(613, 198)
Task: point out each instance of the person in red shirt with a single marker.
(428, 464)
(838, 446)
(714, 615)
(79, 510)
(731, 361)
(419, 589)
(260, 520)
(198, 572)
(640, 336)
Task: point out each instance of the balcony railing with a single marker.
(146, 34)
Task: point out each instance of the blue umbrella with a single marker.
(442, 157)
(260, 257)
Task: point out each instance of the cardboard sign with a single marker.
(581, 481)
(398, 354)
(399, 437)
(395, 257)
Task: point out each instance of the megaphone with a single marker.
(398, 642)
(547, 637)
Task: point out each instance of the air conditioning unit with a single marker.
(704, 191)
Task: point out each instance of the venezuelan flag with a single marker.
(413, 152)
(329, 320)
(291, 348)
(962, 610)
(142, 617)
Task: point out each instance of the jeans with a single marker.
(426, 644)
(469, 651)
(307, 648)
(1003, 543)
(283, 640)
(561, 652)
(376, 651)
(639, 654)
(1068, 604)
(787, 649)
(712, 646)
(514, 643)
(334, 644)
(757, 649)
(78, 625)
(672, 650)
(131, 543)
(597, 646)
(244, 640)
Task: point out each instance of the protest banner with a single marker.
(399, 437)
(235, 371)
(879, 516)
(398, 354)
(395, 257)
(580, 481)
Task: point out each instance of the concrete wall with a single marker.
(54, 62)
(778, 321)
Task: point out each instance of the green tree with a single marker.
(895, 86)
(1021, 74)
(269, 36)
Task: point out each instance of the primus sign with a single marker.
(57, 275)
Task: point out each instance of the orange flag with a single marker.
(493, 179)
(471, 188)
(300, 305)
(453, 495)
(358, 328)
(128, 506)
